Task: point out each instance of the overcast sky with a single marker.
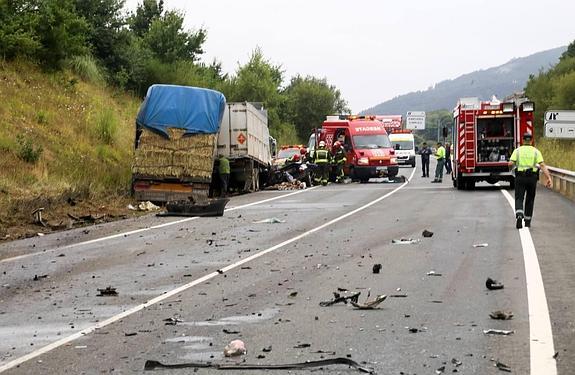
(373, 50)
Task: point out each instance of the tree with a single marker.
(308, 101)
(146, 13)
(18, 22)
(169, 42)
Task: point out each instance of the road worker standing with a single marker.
(322, 157)
(526, 160)
(338, 161)
(440, 156)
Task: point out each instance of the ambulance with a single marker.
(404, 144)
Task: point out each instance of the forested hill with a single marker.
(500, 81)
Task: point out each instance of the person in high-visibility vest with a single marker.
(224, 173)
(440, 156)
(527, 160)
(339, 160)
(322, 157)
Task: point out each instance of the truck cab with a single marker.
(369, 152)
(404, 144)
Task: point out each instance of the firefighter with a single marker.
(295, 158)
(440, 156)
(322, 157)
(527, 160)
(338, 161)
(303, 155)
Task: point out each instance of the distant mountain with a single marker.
(501, 81)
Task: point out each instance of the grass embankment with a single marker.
(558, 153)
(60, 137)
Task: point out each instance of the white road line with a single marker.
(541, 346)
(66, 340)
(123, 234)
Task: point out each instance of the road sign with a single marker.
(560, 124)
(415, 120)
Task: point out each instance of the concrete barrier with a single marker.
(563, 181)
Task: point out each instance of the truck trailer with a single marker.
(244, 139)
(485, 133)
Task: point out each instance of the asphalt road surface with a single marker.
(273, 276)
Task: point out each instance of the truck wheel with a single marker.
(364, 180)
(470, 185)
(413, 164)
(256, 180)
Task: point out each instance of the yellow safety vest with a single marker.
(526, 158)
(321, 156)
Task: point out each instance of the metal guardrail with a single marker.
(563, 181)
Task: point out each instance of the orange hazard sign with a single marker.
(241, 138)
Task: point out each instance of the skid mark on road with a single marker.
(541, 346)
(173, 292)
(124, 234)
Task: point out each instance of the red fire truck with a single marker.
(485, 133)
(369, 152)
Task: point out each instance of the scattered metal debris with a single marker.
(153, 365)
(440, 370)
(345, 298)
(369, 305)
(397, 296)
(501, 315)
(130, 333)
(36, 277)
(502, 366)
(497, 332)
(293, 295)
(433, 273)
(172, 321)
(485, 244)
(37, 213)
(235, 348)
(427, 234)
(108, 291)
(301, 346)
(405, 241)
(267, 349)
(376, 268)
(456, 362)
(271, 220)
(230, 332)
(493, 284)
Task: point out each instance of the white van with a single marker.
(404, 145)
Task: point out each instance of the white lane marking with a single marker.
(123, 234)
(541, 346)
(65, 340)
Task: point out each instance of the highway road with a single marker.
(187, 287)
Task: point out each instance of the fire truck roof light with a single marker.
(508, 107)
(528, 106)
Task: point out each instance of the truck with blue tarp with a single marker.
(177, 129)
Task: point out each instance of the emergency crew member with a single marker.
(303, 155)
(224, 172)
(339, 160)
(295, 158)
(526, 160)
(322, 158)
(425, 153)
(447, 158)
(440, 156)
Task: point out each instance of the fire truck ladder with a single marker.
(470, 139)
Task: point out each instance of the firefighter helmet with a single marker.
(303, 151)
(295, 157)
(321, 144)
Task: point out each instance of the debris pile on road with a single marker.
(144, 206)
(369, 305)
(108, 291)
(405, 241)
(497, 332)
(271, 220)
(501, 315)
(427, 233)
(235, 348)
(293, 185)
(339, 297)
(493, 284)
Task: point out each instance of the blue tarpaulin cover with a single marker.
(194, 109)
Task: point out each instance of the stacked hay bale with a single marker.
(179, 156)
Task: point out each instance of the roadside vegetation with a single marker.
(554, 89)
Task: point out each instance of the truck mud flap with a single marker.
(212, 207)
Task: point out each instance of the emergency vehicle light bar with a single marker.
(508, 107)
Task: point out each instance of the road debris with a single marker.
(415, 329)
(293, 295)
(456, 362)
(485, 244)
(36, 277)
(440, 370)
(230, 332)
(397, 296)
(345, 297)
(405, 241)
(433, 273)
(267, 349)
(172, 321)
(501, 315)
(144, 206)
(369, 305)
(301, 346)
(493, 284)
(502, 366)
(153, 365)
(427, 233)
(108, 291)
(497, 332)
(294, 185)
(376, 268)
(37, 213)
(271, 220)
(127, 334)
(235, 348)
